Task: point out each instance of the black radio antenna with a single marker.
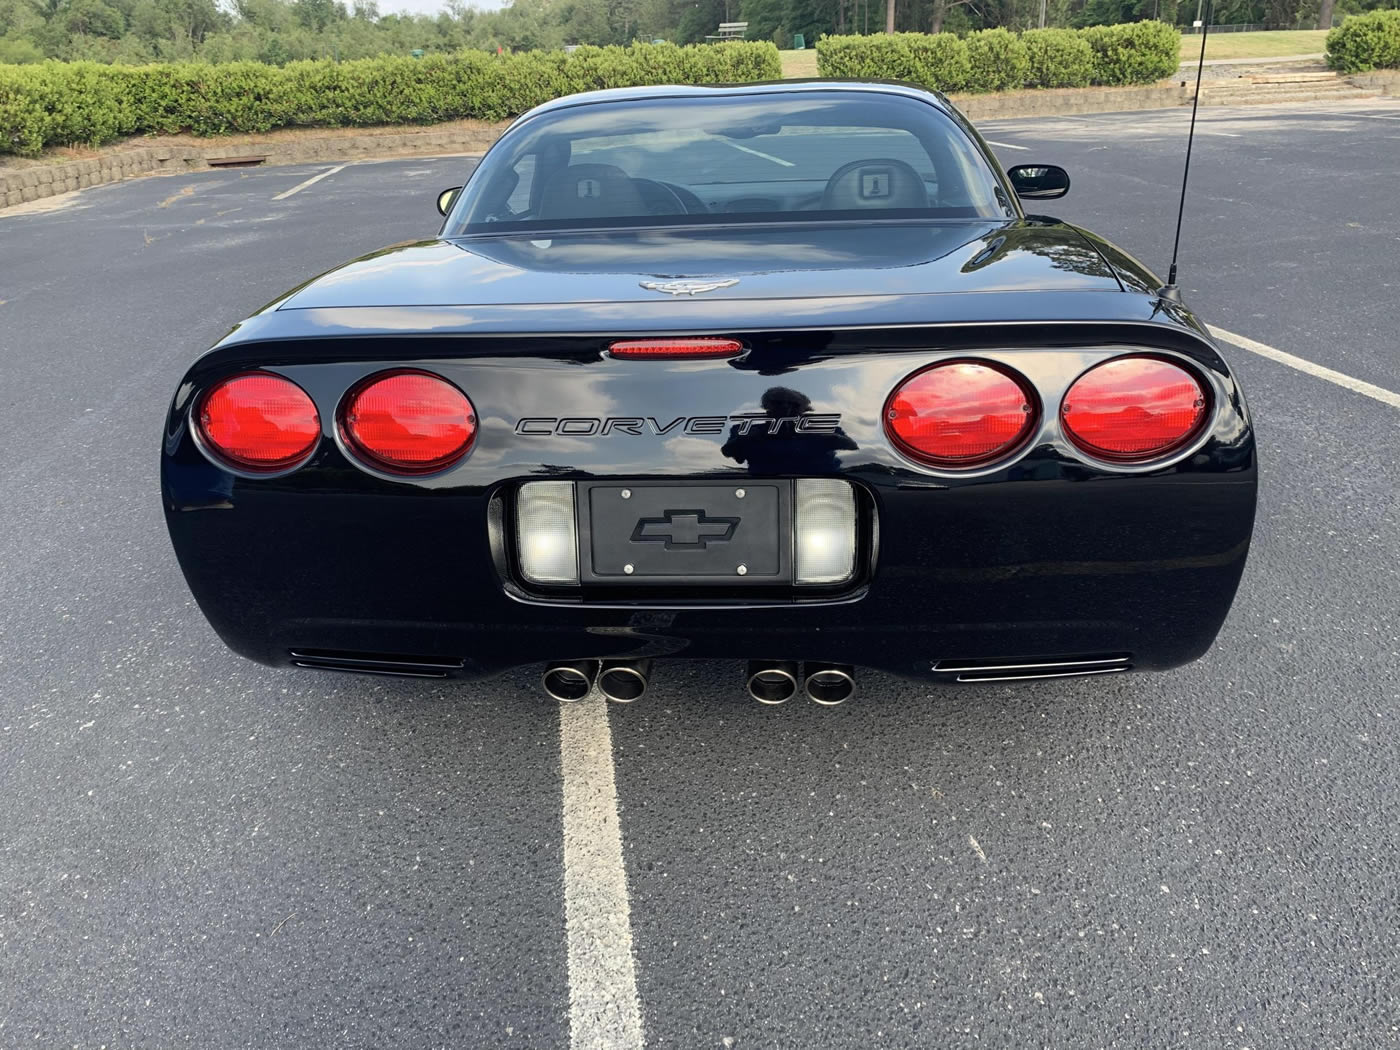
(1170, 290)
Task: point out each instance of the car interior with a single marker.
(604, 191)
(641, 178)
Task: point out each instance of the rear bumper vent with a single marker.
(1025, 670)
(394, 665)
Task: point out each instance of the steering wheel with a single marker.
(664, 199)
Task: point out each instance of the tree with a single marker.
(19, 52)
(93, 18)
(765, 17)
(48, 10)
(812, 18)
(191, 20)
(698, 19)
(149, 22)
(940, 12)
(316, 15)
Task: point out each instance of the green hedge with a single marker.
(996, 60)
(939, 61)
(1134, 53)
(1365, 42)
(1059, 58)
(59, 103)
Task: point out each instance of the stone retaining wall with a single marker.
(1068, 101)
(1382, 81)
(420, 141)
(28, 184)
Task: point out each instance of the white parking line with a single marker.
(765, 156)
(309, 182)
(604, 1011)
(1360, 386)
(1005, 145)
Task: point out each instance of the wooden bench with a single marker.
(730, 31)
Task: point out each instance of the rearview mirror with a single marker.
(447, 198)
(1038, 182)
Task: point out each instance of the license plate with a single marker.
(683, 533)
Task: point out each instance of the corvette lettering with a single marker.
(643, 426)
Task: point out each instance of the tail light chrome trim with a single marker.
(361, 451)
(1048, 389)
(903, 412)
(1169, 372)
(229, 460)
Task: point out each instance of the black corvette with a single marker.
(781, 373)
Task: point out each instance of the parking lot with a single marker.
(198, 851)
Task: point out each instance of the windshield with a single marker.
(795, 157)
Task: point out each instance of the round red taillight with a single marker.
(408, 422)
(960, 414)
(259, 422)
(1134, 408)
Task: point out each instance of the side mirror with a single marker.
(447, 198)
(1038, 182)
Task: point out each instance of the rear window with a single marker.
(795, 157)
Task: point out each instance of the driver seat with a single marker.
(882, 182)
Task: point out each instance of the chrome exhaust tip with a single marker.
(623, 681)
(772, 681)
(829, 684)
(569, 682)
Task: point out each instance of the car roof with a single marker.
(654, 92)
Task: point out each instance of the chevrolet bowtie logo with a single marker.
(685, 530)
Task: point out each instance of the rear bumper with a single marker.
(1012, 571)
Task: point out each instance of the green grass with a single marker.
(1220, 45)
(1256, 45)
(799, 63)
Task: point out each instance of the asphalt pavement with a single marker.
(197, 851)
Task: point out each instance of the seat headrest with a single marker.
(881, 182)
(590, 191)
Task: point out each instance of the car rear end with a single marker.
(781, 374)
(961, 501)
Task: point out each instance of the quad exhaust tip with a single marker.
(776, 681)
(829, 684)
(623, 681)
(570, 682)
(769, 681)
(772, 681)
